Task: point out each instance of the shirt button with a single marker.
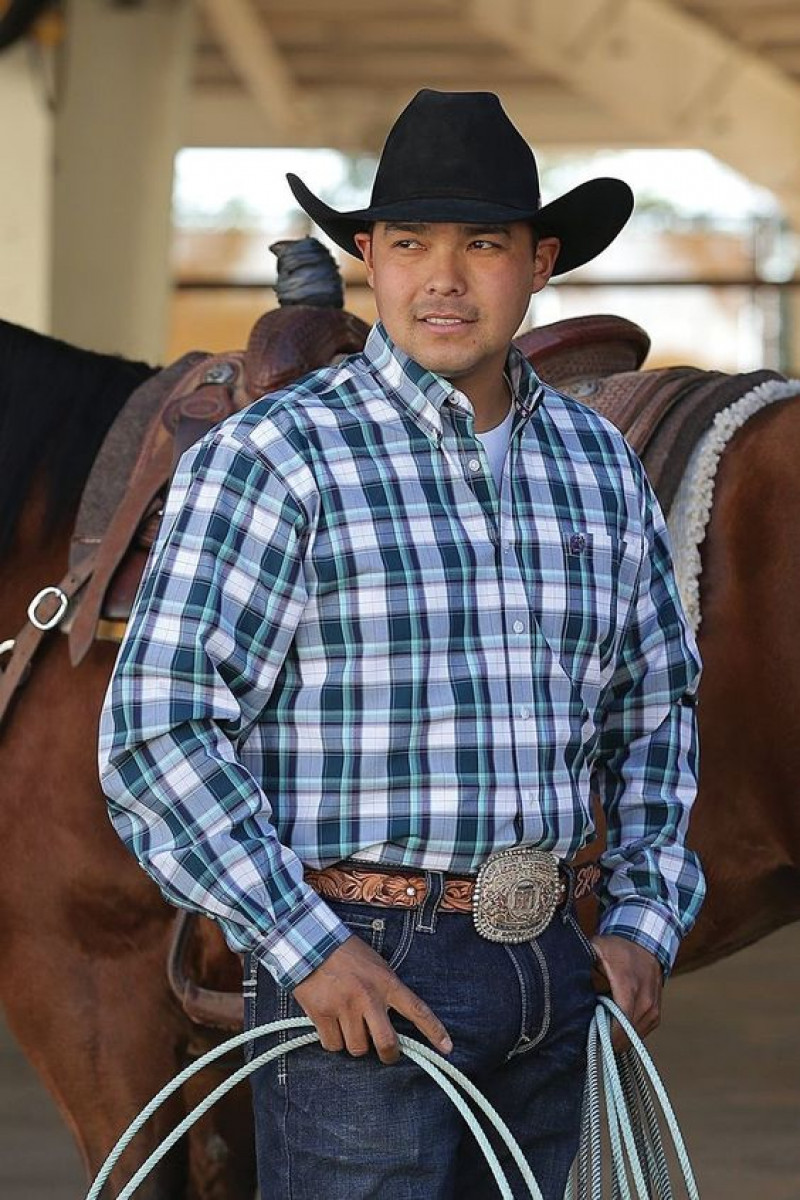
(474, 464)
(577, 543)
(519, 626)
(525, 712)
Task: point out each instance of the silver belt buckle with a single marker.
(516, 894)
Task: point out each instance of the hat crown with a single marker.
(457, 144)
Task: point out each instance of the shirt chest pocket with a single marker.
(585, 582)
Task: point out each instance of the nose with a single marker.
(445, 275)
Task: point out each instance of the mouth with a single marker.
(445, 321)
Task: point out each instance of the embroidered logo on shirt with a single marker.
(576, 542)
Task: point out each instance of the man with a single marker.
(400, 618)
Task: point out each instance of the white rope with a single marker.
(636, 1147)
(691, 510)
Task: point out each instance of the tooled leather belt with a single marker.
(512, 898)
(395, 889)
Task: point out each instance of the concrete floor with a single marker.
(729, 1053)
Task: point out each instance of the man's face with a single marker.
(453, 296)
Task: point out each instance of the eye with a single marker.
(485, 244)
(406, 244)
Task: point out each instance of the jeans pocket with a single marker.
(363, 921)
(387, 931)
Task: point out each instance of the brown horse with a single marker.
(84, 933)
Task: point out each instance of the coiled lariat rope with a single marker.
(629, 1086)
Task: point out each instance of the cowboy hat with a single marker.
(456, 156)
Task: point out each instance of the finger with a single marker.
(619, 1038)
(404, 1001)
(643, 1010)
(330, 1035)
(384, 1036)
(354, 1031)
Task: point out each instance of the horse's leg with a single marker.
(104, 1040)
(83, 940)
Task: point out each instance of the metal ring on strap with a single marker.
(51, 622)
(7, 647)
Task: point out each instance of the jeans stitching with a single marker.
(548, 1005)
(523, 1004)
(249, 995)
(537, 950)
(406, 940)
(582, 938)
(284, 1000)
(429, 911)
(376, 927)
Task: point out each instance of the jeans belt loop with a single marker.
(429, 909)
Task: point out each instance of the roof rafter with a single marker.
(356, 120)
(259, 64)
(690, 84)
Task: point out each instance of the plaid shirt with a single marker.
(349, 643)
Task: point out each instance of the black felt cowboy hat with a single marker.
(455, 156)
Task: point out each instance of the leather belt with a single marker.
(393, 889)
(512, 899)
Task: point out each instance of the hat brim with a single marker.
(586, 219)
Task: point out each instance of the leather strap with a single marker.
(392, 889)
(30, 637)
(112, 550)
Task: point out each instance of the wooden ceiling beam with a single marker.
(252, 53)
(296, 31)
(688, 83)
(357, 120)
(465, 67)
(354, 10)
(766, 28)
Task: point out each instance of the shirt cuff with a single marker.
(302, 941)
(649, 925)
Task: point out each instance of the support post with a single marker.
(26, 135)
(118, 127)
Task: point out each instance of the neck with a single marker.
(489, 395)
(491, 411)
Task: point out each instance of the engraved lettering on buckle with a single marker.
(516, 893)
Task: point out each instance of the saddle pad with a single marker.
(668, 452)
(690, 512)
(663, 413)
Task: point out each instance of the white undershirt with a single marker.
(495, 443)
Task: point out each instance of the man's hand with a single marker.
(348, 998)
(634, 977)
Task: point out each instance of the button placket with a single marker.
(519, 654)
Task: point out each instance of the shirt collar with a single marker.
(423, 392)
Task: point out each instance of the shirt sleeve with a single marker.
(213, 622)
(647, 760)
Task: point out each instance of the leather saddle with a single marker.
(122, 501)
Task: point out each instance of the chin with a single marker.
(443, 365)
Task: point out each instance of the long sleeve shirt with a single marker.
(349, 642)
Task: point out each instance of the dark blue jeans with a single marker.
(334, 1127)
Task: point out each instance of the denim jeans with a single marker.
(334, 1127)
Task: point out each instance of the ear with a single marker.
(364, 242)
(547, 249)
